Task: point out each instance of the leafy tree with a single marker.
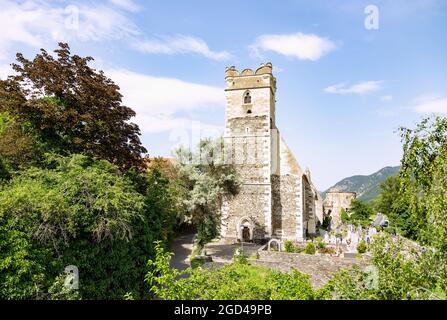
(361, 212)
(393, 202)
(17, 146)
(344, 216)
(422, 179)
(84, 212)
(205, 181)
(71, 107)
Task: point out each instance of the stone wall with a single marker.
(309, 206)
(252, 203)
(321, 268)
(335, 201)
(285, 206)
(248, 148)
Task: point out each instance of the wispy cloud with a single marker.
(128, 5)
(364, 87)
(431, 105)
(297, 45)
(42, 23)
(39, 23)
(180, 44)
(158, 101)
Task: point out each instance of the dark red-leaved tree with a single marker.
(72, 107)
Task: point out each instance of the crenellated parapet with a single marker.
(264, 68)
(247, 78)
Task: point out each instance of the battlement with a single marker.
(247, 78)
(265, 68)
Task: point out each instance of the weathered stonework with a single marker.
(277, 199)
(335, 201)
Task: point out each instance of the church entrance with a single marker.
(246, 234)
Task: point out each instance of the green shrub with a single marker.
(239, 256)
(399, 272)
(361, 247)
(320, 243)
(344, 216)
(289, 246)
(390, 230)
(235, 281)
(196, 262)
(310, 248)
(82, 212)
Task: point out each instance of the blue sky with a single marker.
(343, 89)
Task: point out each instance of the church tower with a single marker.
(251, 144)
(277, 198)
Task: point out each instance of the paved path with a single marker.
(182, 247)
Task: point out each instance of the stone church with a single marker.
(277, 198)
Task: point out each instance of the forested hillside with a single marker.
(367, 187)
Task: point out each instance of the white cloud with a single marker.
(358, 88)
(157, 101)
(38, 23)
(128, 5)
(180, 44)
(431, 105)
(42, 23)
(386, 98)
(298, 45)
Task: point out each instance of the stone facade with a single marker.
(335, 201)
(277, 198)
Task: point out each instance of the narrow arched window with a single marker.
(247, 97)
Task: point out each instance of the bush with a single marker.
(81, 212)
(361, 212)
(239, 256)
(289, 246)
(400, 271)
(361, 247)
(320, 243)
(310, 248)
(196, 262)
(390, 230)
(232, 282)
(344, 216)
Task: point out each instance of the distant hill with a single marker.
(366, 187)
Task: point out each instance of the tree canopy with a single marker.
(84, 212)
(71, 107)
